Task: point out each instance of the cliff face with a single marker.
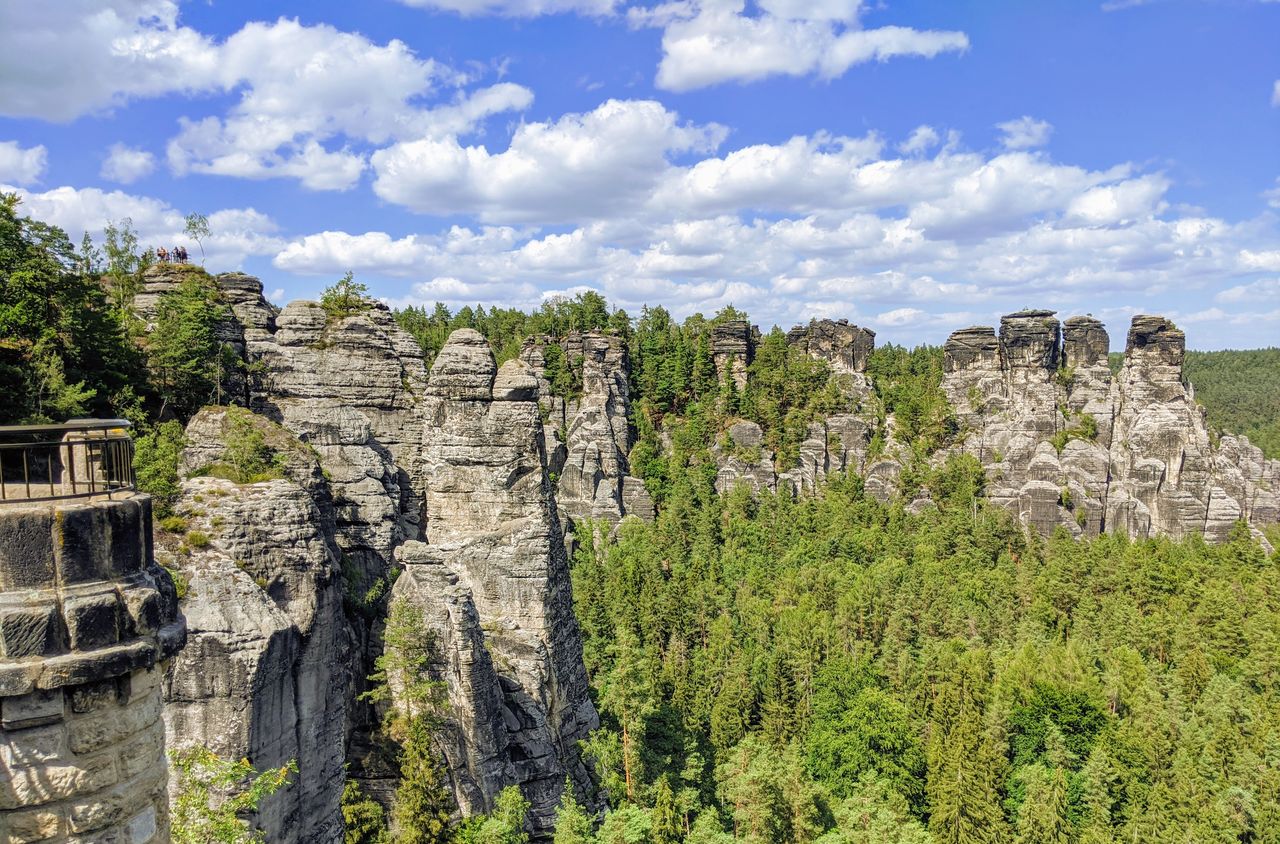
(588, 437)
(495, 555)
(1065, 443)
(268, 674)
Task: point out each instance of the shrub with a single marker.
(198, 539)
(345, 298)
(155, 463)
(173, 524)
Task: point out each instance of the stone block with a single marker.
(93, 621)
(26, 549)
(126, 537)
(31, 710)
(27, 631)
(87, 733)
(146, 752)
(142, 827)
(94, 696)
(145, 611)
(81, 546)
(31, 826)
(30, 787)
(78, 668)
(112, 808)
(33, 746)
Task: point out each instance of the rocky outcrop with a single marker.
(494, 547)
(1066, 444)
(590, 462)
(268, 674)
(732, 349)
(844, 347)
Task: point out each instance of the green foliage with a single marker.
(196, 227)
(198, 539)
(64, 348)
(835, 665)
(423, 802)
(1240, 392)
(155, 464)
(573, 824)
(507, 328)
(345, 297)
(504, 825)
(248, 458)
(362, 818)
(1081, 426)
(212, 794)
(187, 361)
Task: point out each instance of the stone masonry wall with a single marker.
(87, 621)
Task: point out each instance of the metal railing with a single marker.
(76, 459)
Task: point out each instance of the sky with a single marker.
(914, 167)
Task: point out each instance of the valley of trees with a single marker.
(830, 669)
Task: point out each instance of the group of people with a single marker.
(178, 255)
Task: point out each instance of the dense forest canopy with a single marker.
(1241, 393)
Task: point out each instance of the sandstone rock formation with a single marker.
(590, 464)
(268, 672)
(732, 349)
(494, 554)
(1065, 443)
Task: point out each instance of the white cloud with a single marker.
(312, 91)
(22, 166)
(517, 8)
(1263, 290)
(921, 140)
(1024, 133)
(127, 165)
(312, 98)
(1275, 94)
(578, 167)
(708, 42)
(91, 55)
(235, 233)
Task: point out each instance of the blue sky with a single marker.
(912, 166)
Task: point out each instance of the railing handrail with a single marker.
(69, 425)
(88, 457)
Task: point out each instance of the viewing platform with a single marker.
(87, 622)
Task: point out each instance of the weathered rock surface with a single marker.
(1066, 444)
(845, 347)
(87, 622)
(732, 349)
(268, 674)
(493, 539)
(591, 463)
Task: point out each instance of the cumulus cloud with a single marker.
(708, 42)
(516, 8)
(312, 99)
(310, 92)
(235, 233)
(1260, 291)
(93, 55)
(126, 165)
(577, 167)
(813, 225)
(1024, 133)
(1275, 94)
(21, 165)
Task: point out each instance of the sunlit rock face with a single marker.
(1067, 444)
(493, 579)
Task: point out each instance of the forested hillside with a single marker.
(1241, 392)
(836, 669)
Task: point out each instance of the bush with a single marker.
(198, 539)
(248, 458)
(173, 524)
(347, 297)
(155, 463)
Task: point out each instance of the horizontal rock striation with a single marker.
(87, 624)
(268, 674)
(494, 548)
(1065, 443)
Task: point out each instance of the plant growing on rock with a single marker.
(213, 793)
(345, 298)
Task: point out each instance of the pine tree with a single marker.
(573, 825)
(1042, 817)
